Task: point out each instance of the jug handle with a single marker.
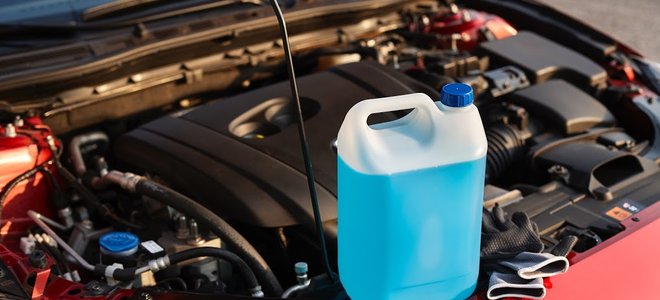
(362, 110)
(355, 127)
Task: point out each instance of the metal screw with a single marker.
(145, 296)
(182, 228)
(454, 8)
(38, 259)
(195, 238)
(559, 171)
(10, 131)
(50, 140)
(102, 165)
(94, 288)
(18, 121)
(87, 224)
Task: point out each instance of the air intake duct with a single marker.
(505, 144)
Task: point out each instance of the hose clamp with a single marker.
(159, 264)
(257, 292)
(130, 181)
(110, 271)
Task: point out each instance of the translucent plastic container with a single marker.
(410, 199)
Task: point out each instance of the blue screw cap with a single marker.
(119, 242)
(300, 268)
(457, 95)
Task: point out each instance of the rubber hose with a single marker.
(505, 145)
(240, 265)
(218, 226)
(91, 200)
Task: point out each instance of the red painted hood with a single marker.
(626, 266)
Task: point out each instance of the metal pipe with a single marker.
(74, 149)
(37, 218)
(295, 288)
(126, 180)
(53, 223)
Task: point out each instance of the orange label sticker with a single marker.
(619, 213)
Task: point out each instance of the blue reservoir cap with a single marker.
(457, 95)
(119, 242)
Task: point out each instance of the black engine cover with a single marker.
(241, 157)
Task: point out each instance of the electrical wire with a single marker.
(311, 182)
(59, 200)
(59, 268)
(60, 262)
(20, 178)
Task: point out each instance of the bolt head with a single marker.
(38, 259)
(145, 296)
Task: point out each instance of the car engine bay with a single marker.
(195, 156)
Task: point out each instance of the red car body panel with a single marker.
(623, 267)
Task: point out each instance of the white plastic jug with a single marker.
(410, 198)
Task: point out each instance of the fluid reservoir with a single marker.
(119, 247)
(410, 197)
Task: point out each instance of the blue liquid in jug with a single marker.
(410, 235)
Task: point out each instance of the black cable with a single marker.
(218, 226)
(59, 257)
(61, 263)
(20, 178)
(59, 200)
(59, 268)
(311, 182)
(239, 264)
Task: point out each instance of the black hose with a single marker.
(218, 226)
(240, 265)
(91, 200)
(20, 178)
